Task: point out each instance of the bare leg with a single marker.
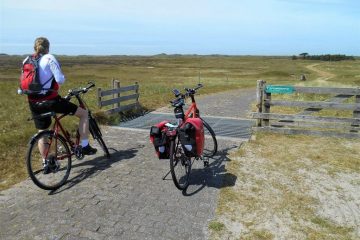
(84, 131)
(43, 145)
(83, 123)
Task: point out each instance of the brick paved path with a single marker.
(121, 198)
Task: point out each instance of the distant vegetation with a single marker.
(326, 57)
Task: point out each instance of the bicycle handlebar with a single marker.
(189, 91)
(179, 96)
(76, 92)
(193, 90)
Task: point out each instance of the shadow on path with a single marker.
(215, 175)
(89, 168)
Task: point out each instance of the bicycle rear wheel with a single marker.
(180, 165)
(97, 135)
(210, 144)
(48, 160)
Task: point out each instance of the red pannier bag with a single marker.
(160, 140)
(191, 136)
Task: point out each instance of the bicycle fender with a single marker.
(36, 136)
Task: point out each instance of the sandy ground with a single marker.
(299, 199)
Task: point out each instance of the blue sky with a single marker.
(139, 27)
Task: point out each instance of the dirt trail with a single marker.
(323, 75)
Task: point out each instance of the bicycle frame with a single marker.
(57, 128)
(193, 111)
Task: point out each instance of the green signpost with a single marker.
(279, 89)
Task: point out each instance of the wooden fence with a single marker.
(120, 98)
(305, 122)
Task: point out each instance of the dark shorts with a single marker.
(58, 105)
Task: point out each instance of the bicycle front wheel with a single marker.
(48, 160)
(180, 165)
(97, 135)
(210, 144)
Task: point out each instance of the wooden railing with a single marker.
(304, 122)
(121, 98)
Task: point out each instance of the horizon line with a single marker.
(179, 54)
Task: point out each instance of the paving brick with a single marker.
(121, 198)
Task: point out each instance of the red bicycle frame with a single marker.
(193, 111)
(57, 127)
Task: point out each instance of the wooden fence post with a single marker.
(137, 90)
(137, 99)
(113, 87)
(99, 97)
(116, 85)
(356, 113)
(267, 101)
(259, 99)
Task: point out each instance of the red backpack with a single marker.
(29, 79)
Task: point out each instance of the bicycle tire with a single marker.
(97, 135)
(180, 165)
(210, 145)
(59, 161)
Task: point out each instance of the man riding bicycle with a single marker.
(51, 77)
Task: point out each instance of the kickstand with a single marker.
(166, 175)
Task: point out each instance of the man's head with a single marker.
(41, 45)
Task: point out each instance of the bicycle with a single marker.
(181, 157)
(57, 147)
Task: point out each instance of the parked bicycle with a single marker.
(189, 139)
(57, 147)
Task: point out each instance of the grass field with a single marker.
(283, 182)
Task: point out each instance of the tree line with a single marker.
(325, 57)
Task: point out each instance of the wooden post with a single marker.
(356, 113)
(259, 99)
(116, 85)
(137, 90)
(113, 87)
(137, 99)
(267, 101)
(99, 97)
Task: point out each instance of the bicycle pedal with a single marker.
(206, 163)
(78, 152)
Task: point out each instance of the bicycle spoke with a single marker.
(49, 164)
(210, 143)
(180, 166)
